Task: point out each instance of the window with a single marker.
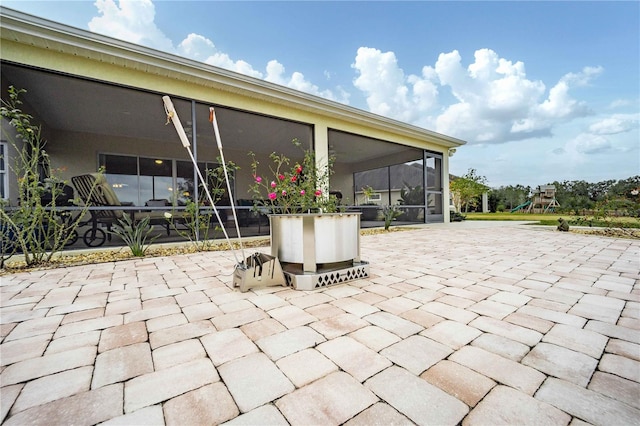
(4, 176)
(136, 180)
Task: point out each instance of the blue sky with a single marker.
(541, 91)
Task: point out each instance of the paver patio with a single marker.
(458, 323)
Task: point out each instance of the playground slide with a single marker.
(520, 207)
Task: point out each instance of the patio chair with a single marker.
(94, 190)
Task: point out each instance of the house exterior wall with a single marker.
(62, 49)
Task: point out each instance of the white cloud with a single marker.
(197, 47)
(297, 81)
(586, 143)
(495, 101)
(620, 103)
(389, 92)
(618, 123)
(133, 20)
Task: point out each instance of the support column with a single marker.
(446, 196)
(321, 146)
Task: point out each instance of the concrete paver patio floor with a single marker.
(458, 323)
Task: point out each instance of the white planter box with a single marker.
(316, 239)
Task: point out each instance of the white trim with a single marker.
(4, 172)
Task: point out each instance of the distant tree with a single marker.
(573, 196)
(628, 188)
(494, 202)
(508, 197)
(467, 189)
(599, 191)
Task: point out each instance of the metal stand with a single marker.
(258, 270)
(324, 276)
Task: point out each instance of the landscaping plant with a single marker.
(293, 187)
(134, 234)
(198, 218)
(390, 213)
(38, 226)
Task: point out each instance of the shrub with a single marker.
(134, 234)
(39, 226)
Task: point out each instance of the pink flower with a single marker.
(258, 179)
(273, 184)
(318, 192)
(284, 192)
(272, 195)
(302, 192)
(281, 177)
(294, 178)
(298, 169)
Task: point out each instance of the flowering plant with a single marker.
(293, 187)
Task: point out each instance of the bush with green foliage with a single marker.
(134, 234)
(38, 226)
(390, 213)
(290, 187)
(197, 220)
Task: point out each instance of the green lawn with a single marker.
(552, 219)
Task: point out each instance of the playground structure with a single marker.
(543, 200)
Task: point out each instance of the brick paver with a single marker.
(578, 339)
(52, 387)
(502, 346)
(288, 342)
(505, 405)
(212, 402)
(616, 387)
(162, 385)
(451, 333)
(417, 399)
(254, 380)
(330, 400)
(457, 324)
(463, 383)
(416, 353)
(354, 357)
(34, 368)
(121, 364)
(587, 405)
(89, 407)
(123, 335)
(177, 353)
(227, 345)
(379, 414)
(502, 370)
(561, 362)
(306, 366)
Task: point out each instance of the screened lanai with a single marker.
(99, 101)
(91, 124)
